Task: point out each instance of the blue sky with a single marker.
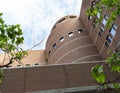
(37, 17)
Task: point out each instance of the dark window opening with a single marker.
(107, 44)
(70, 34)
(72, 16)
(113, 30)
(109, 39)
(89, 17)
(62, 20)
(54, 45)
(80, 30)
(102, 28)
(36, 64)
(27, 64)
(61, 39)
(49, 53)
(19, 65)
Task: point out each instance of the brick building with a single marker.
(72, 48)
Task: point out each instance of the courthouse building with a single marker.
(73, 47)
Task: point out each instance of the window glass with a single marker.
(113, 30)
(80, 30)
(61, 39)
(70, 34)
(102, 28)
(109, 39)
(98, 15)
(54, 45)
(89, 17)
(104, 22)
(115, 26)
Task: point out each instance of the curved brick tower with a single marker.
(69, 42)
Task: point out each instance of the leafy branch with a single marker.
(105, 6)
(101, 77)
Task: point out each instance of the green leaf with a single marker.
(116, 86)
(98, 74)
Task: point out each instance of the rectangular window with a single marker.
(61, 39)
(27, 65)
(109, 39)
(36, 64)
(102, 28)
(113, 30)
(104, 22)
(70, 34)
(98, 15)
(89, 17)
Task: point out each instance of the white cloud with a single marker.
(37, 17)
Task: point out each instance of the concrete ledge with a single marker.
(66, 90)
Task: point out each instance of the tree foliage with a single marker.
(111, 8)
(101, 77)
(105, 6)
(10, 41)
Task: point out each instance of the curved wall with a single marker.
(69, 42)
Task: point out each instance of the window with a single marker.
(19, 65)
(107, 44)
(113, 30)
(92, 7)
(80, 30)
(98, 15)
(89, 17)
(27, 65)
(70, 34)
(100, 34)
(93, 4)
(72, 16)
(63, 19)
(49, 53)
(104, 22)
(101, 28)
(61, 39)
(108, 41)
(36, 64)
(54, 45)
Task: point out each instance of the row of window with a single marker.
(111, 35)
(63, 19)
(61, 39)
(26, 65)
(112, 31)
